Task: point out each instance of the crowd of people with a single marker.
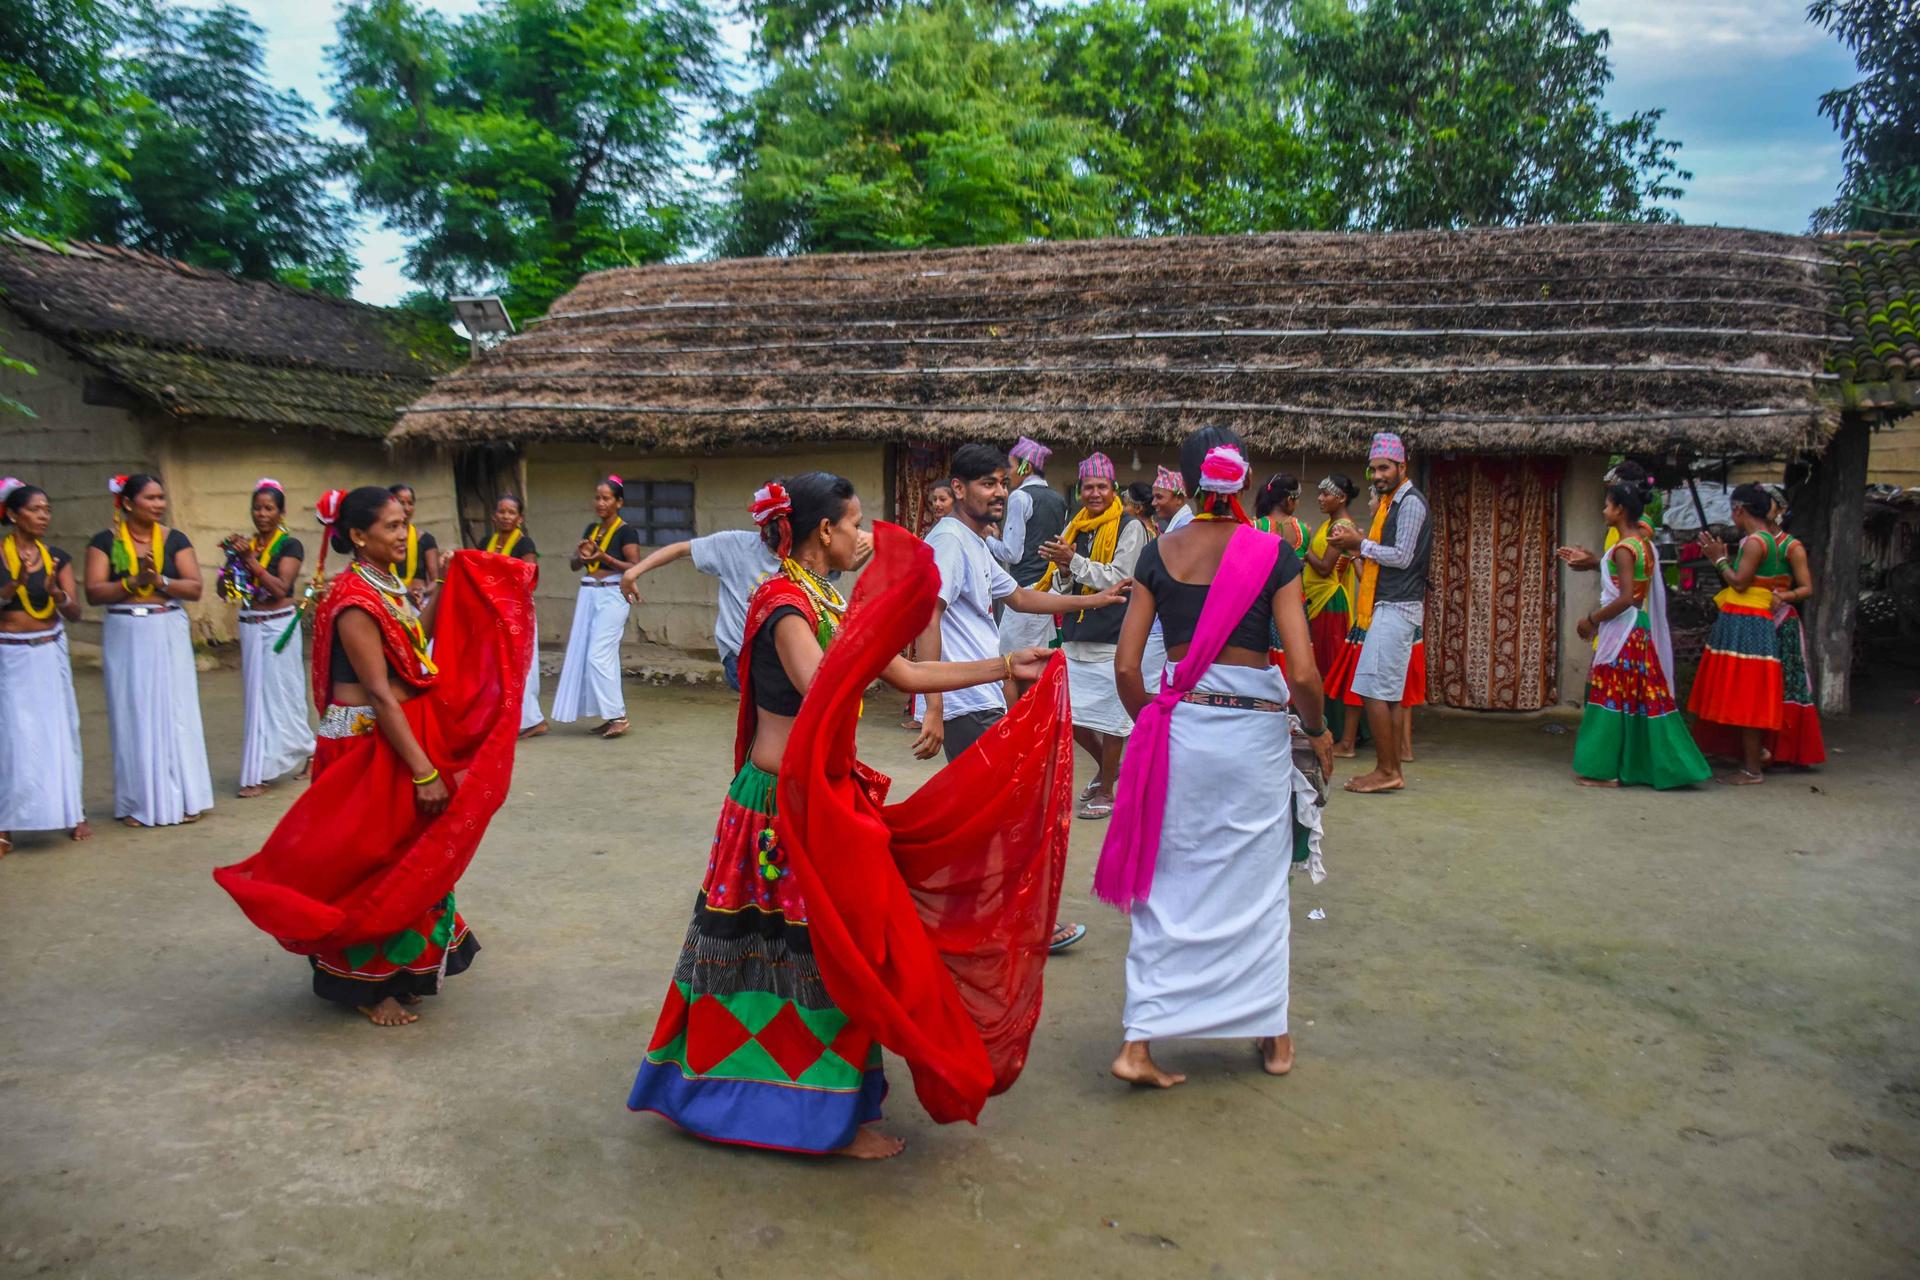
(1196, 655)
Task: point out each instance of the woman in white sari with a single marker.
(39, 721)
(590, 673)
(140, 571)
(261, 575)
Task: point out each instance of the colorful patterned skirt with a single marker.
(1798, 740)
(1347, 661)
(1738, 683)
(750, 1049)
(1328, 632)
(1631, 731)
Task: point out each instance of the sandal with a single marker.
(1095, 809)
(617, 729)
(1065, 935)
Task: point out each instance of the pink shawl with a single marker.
(1125, 873)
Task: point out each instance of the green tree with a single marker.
(1878, 117)
(221, 168)
(926, 127)
(1452, 113)
(1199, 139)
(528, 143)
(61, 91)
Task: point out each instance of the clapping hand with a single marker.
(1056, 551)
(1578, 558)
(1712, 547)
(1346, 537)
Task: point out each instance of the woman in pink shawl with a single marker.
(1201, 842)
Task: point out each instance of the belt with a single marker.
(250, 615)
(599, 582)
(342, 721)
(28, 641)
(1232, 701)
(141, 610)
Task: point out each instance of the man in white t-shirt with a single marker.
(740, 560)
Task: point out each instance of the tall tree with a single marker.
(61, 91)
(1450, 113)
(221, 168)
(1201, 141)
(1878, 117)
(926, 127)
(527, 143)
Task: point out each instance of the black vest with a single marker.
(1095, 626)
(1044, 523)
(1408, 584)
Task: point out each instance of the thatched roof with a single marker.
(1878, 306)
(199, 343)
(1546, 339)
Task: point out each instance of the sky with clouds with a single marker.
(1740, 81)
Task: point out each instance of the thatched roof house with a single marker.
(1513, 360)
(148, 364)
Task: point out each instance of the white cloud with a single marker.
(1694, 37)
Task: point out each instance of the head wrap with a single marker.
(1389, 446)
(1778, 492)
(770, 503)
(328, 508)
(8, 485)
(1171, 481)
(1224, 470)
(1098, 467)
(116, 485)
(268, 482)
(1031, 452)
(1327, 485)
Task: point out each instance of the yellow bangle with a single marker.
(431, 775)
(1008, 659)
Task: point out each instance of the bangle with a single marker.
(431, 775)
(1315, 733)
(1008, 659)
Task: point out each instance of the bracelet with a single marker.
(1315, 733)
(431, 775)
(1008, 659)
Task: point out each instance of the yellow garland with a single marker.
(831, 605)
(413, 557)
(12, 552)
(416, 634)
(499, 548)
(606, 540)
(133, 560)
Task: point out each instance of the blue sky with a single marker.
(1740, 80)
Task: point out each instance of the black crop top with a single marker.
(623, 537)
(169, 554)
(772, 688)
(340, 669)
(38, 582)
(1178, 603)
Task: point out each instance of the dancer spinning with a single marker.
(415, 757)
(1631, 731)
(419, 563)
(140, 570)
(590, 673)
(823, 923)
(39, 720)
(262, 574)
(1202, 838)
(1326, 581)
(1738, 686)
(510, 538)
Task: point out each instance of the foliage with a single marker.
(927, 127)
(1195, 137)
(221, 169)
(784, 28)
(527, 143)
(60, 93)
(1878, 117)
(1453, 113)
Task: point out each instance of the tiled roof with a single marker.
(1877, 303)
(200, 343)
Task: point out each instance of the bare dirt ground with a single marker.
(1543, 1032)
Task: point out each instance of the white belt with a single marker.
(140, 610)
(32, 638)
(253, 615)
(599, 582)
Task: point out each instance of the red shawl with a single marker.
(353, 861)
(929, 918)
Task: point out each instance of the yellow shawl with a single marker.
(1106, 537)
(1369, 568)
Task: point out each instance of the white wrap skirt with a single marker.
(275, 739)
(160, 774)
(590, 673)
(1095, 696)
(1208, 958)
(530, 713)
(1024, 630)
(40, 769)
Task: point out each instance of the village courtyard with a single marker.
(1544, 1031)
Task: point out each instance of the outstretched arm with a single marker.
(630, 580)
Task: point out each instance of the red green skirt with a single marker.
(1738, 681)
(750, 1048)
(1798, 740)
(413, 962)
(1631, 731)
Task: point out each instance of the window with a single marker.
(662, 510)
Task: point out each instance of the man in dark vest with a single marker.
(1095, 553)
(1035, 515)
(1391, 607)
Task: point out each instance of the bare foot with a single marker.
(257, 789)
(538, 731)
(191, 818)
(1598, 782)
(1739, 778)
(132, 822)
(82, 832)
(1341, 751)
(1135, 1065)
(618, 729)
(306, 770)
(871, 1144)
(388, 1013)
(408, 999)
(1276, 1054)
(601, 728)
(1374, 782)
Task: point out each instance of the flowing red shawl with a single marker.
(353, 860)
(929, 918)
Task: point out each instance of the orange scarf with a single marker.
(1370, 568)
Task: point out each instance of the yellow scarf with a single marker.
(1370, 569)
(496, 547)
(413, 557)
(1106, 539)
(12, 549)
(133, 560)
(606, 540)
(1320, 588)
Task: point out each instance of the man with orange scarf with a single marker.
(1391, 608)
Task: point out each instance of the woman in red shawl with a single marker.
(827, 925)
(412, 760)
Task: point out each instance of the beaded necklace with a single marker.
(394, 595)
(827, 600)
(11, 549)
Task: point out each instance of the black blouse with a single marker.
(169, 553)
(773, 688)
(1178, 603)
(39, 582)
(624, 537)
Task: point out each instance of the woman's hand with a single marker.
(630, 585)
(431, 797)
(145, 579)
(1323, 752)
(1585, 628)
(1345, 537)
(1780, 600)
(1578, 558)
(1712, 547)
(1029, 664)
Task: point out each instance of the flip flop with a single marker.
(1073, 933)
(1095, 809)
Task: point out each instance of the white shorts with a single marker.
(1096, 698)
(1382, 671)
